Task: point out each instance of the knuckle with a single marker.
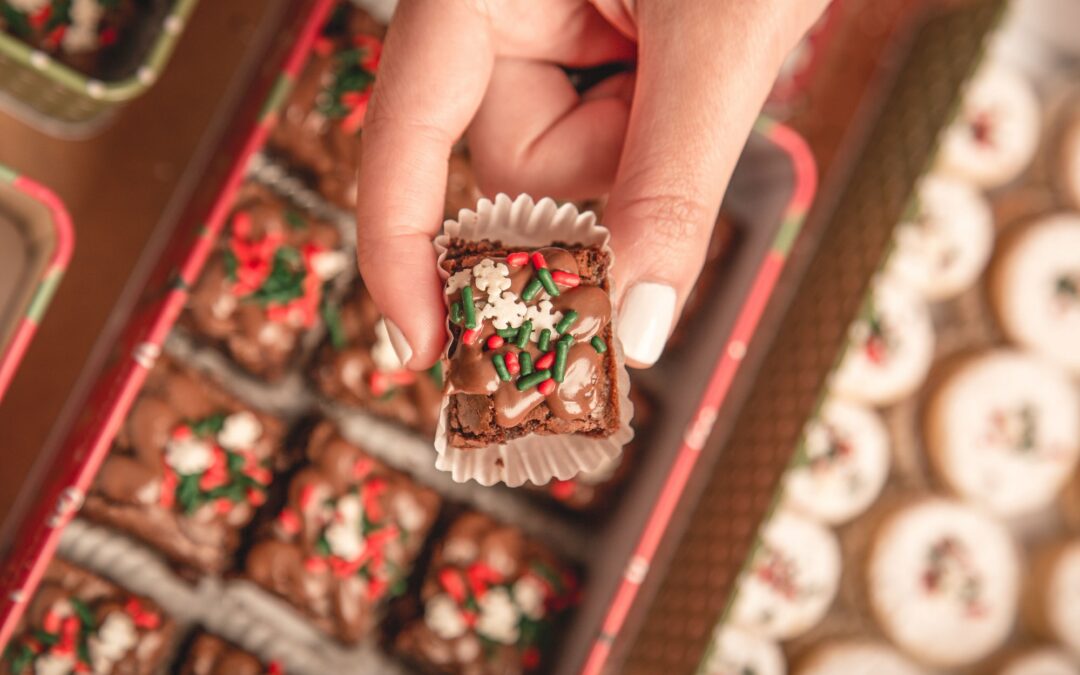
(675, 221)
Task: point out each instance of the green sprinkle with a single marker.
(545, 338)
(598, 344)
(548, 283)
(455, 313)
(500, 367)
(524, 333)
(559, 369)
(525, 359)
(436, 373)
(334, 328)
(531, 289)
(507, 333)
(228, 259)
(469, 307)
(532, 379)
(567, 339)
(295, 220)
(568, 320)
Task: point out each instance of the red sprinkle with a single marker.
(51, 623)
(495, 341)
(518, 259)
(538, 261)
(547, 386)
(307, 493)
(256, 497)
(545, 361)
(512, 363)
(222, 506)
(451, 580)
(469, 337)
(289, 521)
(568, 279)
(274, 668)
(315, 565)
(562, 489)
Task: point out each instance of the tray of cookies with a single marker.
(258, 463)
(942, 458)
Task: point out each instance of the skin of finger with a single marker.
(535, 134)
(434, 69)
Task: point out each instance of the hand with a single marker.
(663, 140)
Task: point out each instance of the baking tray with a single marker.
(770, 192)
(36, 241)
(62, 101)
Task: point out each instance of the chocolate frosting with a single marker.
(312, 555)
(472, 370)
(210, 655)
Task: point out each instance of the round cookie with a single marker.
(996, 132)
(843, 466)
(889, 349)
(737, 652)
(942, 249)
(791, 580)
(942, 580)
(856, 657)
(1041, 661)
(1052, 603)
(1003, 430)
(1035, 288)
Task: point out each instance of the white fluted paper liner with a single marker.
(526, 223)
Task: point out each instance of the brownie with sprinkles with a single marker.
(76, 32)
(490, 602)
(77, 622)
(210, 655)
(530, 351)
(266, 284)
(188, 469)
(346, 539)
(358, 367)
(321, 121)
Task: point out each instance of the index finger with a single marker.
(435, 66)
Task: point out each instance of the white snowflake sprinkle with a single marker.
(491, 277)
(504, 311)
(499, 618)
(458, 281)
(542, 317)
(444, 618)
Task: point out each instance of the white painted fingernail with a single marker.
(645, 321)
(398, 342)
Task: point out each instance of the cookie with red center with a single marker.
(358, 367)
(265, 285)
(345, 540)
(324, 115)
(210, 655)
(77, 622)
(76, 32)
(490, 602)
(189, 467)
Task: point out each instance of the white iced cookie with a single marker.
(856, 657)
(1041, 661)
(996, 131)
(942, 579)
(737, 652)
(945, 245)
(843, 464)
(1003, 430)
(1057, 595)
(791, 580)
(1035, 288)
(889, 349)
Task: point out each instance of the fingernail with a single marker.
(398, 342)
(645, 321)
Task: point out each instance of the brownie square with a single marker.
(76, 32)
(357, 366)
(346, 539)
(515, 326)
(319, 128)
(78, 622)
(265, 285)
(210, 655)
(188, 469)
(489, 603)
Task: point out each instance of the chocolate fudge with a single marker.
(358, 366)
(265, 284)
(210, 655)
(319, 129)
(346, 539)
(76, 32)
(490, 601)
(188, 469)
(531, 350)
(77, 622)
